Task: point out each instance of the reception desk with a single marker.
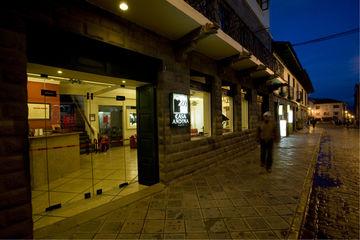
(53, 156)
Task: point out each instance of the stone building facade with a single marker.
(178, 155)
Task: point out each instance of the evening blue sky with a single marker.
(333, 65)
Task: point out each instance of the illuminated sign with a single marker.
(179, 110)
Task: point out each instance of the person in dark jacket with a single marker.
(267, 133)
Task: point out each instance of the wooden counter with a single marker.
(58, 152)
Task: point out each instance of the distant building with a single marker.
(327, 109)
(291, 100)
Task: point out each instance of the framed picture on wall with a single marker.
(131, 118)
(38, 111)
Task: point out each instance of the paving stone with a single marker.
(174, 226)
(174, 213)
(203, 235)
(242, 235)
(266, 235)
(265, 211)
(151, 236)
(174, 204)
(219, 235)
(276, 222)
(128, 236)
(192, 213)
(256, 223)
(83, 236)
(236, 224)
(230, 212)
(90, 227)
(195, 226)
(174, 236)
(111, 227)
(139, 213)
(158, 204)
(105, 236)
(153, 226)
(248, 212)
(211, 213)
(209, 203)
(215, 225)
(156, 214)
(132, 226)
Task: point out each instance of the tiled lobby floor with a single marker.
(97, 171)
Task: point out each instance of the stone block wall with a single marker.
(15, 199)
(187, 157)
(174, 76)
(178, 155)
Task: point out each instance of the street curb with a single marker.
(99, 211)
(300, 212)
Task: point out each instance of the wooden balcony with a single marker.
(218, 11)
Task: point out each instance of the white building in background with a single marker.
(329, 109)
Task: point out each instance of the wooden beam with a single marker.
(188, 42)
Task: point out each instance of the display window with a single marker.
(244, 110)
(227, 119)
(200, 114)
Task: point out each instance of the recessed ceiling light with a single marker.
(123, 6)
(123, 81)
(59, 72)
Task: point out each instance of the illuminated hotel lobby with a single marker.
(108, 171)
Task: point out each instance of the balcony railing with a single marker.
(220, 12)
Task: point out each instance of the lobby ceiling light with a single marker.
(123, 6)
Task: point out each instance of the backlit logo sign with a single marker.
(179, 110)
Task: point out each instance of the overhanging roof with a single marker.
(324, 100)
(287, 53)
(173, 19)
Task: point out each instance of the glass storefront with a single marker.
(82, 136)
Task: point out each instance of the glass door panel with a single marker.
(82, 144)
(44, 118)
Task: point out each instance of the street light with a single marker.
(123, 6)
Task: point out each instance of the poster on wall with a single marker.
(179, 110)
(131, 118)
(39, 111)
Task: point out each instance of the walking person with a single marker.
(267, 133)
(313, 122)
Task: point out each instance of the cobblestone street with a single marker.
(334, 205)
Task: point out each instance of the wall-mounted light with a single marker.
(123, 6)
(123, 81)
(59, 72)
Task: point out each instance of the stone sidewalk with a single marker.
(233, 200)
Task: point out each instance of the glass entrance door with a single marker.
(82, 145)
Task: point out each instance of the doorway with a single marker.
(80, 151)
(82, 77)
